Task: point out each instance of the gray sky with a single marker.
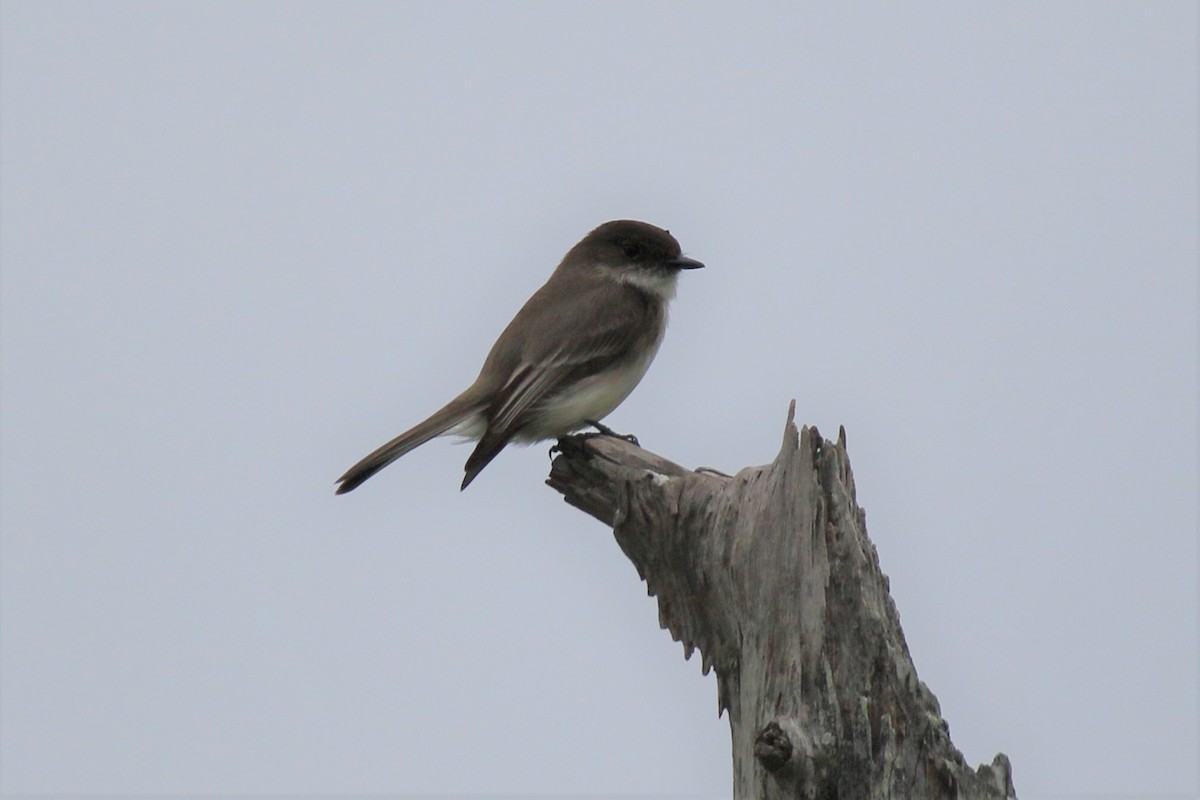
(243, 244)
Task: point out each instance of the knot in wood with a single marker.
(772, 748)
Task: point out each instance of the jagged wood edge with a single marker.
(656, 506)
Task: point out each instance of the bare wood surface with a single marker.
(770, 575)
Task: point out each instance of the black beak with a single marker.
(683, 262)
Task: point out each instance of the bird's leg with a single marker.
(604, 430)
(566, 442)
(569, 445)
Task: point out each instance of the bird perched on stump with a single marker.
(569, 357)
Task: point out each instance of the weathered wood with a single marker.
(771, 576)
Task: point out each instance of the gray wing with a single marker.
(602, 336)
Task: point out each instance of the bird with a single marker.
(571, 355)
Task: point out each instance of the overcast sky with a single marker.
(242, 244)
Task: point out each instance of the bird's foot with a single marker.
(572, 444)
(604, 430)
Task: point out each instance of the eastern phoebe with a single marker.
(574, 351)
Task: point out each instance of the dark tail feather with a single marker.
(488, 448)
(453, 413)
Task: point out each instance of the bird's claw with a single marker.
(604, 430)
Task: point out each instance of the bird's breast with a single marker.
(590, 399)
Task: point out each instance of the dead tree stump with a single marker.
(771, 576)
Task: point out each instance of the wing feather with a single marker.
(590, 342)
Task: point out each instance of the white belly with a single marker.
(592, 399)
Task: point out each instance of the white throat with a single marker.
(661, 283)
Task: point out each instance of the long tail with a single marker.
(454, 412)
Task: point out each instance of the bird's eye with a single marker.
(633, 251)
